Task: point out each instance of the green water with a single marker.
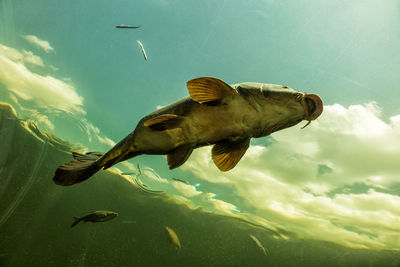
(325, 195)
(36, 218)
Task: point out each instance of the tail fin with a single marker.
(79, 169)
(76, 220)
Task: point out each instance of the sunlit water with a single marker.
(76, 82)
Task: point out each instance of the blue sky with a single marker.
(345, 51)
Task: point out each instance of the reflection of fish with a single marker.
(122, 26)
(214, 114)
(133, 173)
(259, 245)
(143, 51)
(140, 172)
(96, 216)
(182, 181)
(173, 238)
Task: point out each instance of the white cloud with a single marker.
(40, 118)
(105, 140)
(284, 183)
(29, 57)
(24, 57)
(153, 175)
(43, 98)
(129, 165)
(222, 206)
(39, 43)
(182, 200)
(185, 189)
(40, 91)
(93, 131)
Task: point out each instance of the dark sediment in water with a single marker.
(36, 214)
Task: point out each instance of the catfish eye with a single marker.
(285, 87)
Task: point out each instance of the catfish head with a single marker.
(279, 106)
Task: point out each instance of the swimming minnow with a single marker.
(122, 26)
(259, 245)
(96, 216)
(173, 238)
(216, 113)
(143, 51)
(182, 181)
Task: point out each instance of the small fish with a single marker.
(122, 26)
(182, 181)
(96, 216)
(258, 243)
(173, 238)
(143, 51)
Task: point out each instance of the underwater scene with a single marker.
(200, 133)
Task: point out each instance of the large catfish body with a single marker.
(215, 114)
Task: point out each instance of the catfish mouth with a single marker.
(313, 107)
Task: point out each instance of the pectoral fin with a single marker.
(207, 89)
(179, 155)
(162, 122)
(227, 154)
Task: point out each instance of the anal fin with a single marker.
(227, 154)
(179, 156)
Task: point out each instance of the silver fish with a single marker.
(259, 245)
(122, 26)
(143, 51)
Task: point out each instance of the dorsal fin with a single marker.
(162, 122)
(208, 89)
(179, 155)
(227, 154)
